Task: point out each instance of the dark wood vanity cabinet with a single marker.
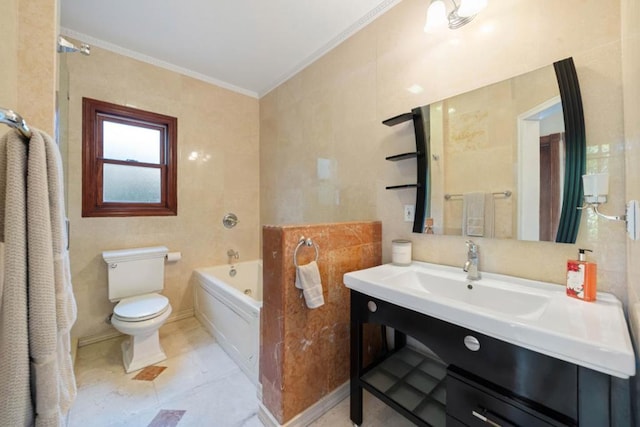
(471, 379)
(471, 403)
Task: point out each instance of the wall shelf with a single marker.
(402, 156)
(401, 118)
(402, 186)
(418, 115)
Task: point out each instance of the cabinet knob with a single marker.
(372, 306)
(472, 343)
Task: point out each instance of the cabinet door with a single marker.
(475, 405)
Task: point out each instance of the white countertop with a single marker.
(535, 315)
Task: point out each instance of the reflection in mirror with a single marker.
(502, 162)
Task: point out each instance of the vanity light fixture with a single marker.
(460, 15)
(596, 189)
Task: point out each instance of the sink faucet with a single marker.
(232, 255)
(471, 266)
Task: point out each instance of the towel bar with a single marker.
(305, 242)
(13, 119)
(506, 193)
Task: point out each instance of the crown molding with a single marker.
(93, 41)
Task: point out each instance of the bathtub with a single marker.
(229, 307)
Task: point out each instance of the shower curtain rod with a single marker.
(15, 120)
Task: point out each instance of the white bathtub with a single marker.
(229, 307)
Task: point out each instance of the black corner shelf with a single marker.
(418, 115)
(402, 156)
(402, 186)
(405, 117)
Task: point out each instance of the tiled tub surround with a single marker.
(304, 354)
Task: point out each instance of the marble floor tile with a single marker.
(375, 414)
(197, 371)
(200, 387)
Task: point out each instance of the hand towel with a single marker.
(308, 279)
(489, 215)
(478, 214)
(473, 214)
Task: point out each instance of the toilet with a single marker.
(135, 278)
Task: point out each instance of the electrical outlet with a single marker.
(409, 213)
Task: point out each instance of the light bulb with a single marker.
(471, 7)
(436, 16)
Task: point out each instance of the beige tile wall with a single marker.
(218, 166)
(323, 146)
(9, 55)
(28, 52)
(631, 85)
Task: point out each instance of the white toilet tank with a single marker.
(135, 271)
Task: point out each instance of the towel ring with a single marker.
(306, 242)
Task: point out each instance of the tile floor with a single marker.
(201, 386)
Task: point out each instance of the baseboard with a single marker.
(92, 339)
(310, 414)
(259, 392)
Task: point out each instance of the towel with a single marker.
(477, 214)
(37, 302)
(308, 279)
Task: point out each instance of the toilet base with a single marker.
(140, 351)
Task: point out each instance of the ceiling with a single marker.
(249, 46)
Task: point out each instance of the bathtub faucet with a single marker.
(232, 255)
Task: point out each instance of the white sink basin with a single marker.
(491, 296)
(535, 315)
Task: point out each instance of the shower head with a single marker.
(65, 46)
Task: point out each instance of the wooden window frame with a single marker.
(94, 113)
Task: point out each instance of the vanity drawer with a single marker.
(473, 404)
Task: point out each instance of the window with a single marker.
(129, 161)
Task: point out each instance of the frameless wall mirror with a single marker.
(505, 161)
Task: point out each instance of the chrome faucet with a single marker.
(233, 255)
(471, 265)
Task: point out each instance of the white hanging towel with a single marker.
(477, 214)
(308, 279)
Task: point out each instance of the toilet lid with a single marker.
(141, 307)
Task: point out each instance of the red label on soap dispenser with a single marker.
(575, 279)
(581, 280)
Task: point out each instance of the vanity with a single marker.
(501, 351)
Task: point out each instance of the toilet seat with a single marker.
(141, 307)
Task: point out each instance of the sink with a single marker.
(532, 314)
(487, 295)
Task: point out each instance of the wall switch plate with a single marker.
(409, 213)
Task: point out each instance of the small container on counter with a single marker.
(401, 252)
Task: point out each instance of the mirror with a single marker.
(505, 160)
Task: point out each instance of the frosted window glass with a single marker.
(126, 142)
(131, 184)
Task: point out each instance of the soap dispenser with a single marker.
(581, 277)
